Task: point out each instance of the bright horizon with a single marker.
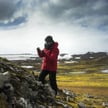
(78, 26)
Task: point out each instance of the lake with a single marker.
(19, 56)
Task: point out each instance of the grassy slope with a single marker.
(91, 82)
(85, 83)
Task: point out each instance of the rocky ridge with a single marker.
(20, 89)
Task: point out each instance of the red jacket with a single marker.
(49, 58)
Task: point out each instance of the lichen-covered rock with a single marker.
(3, 78)
(21, 88)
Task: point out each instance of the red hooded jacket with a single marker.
(49, 57)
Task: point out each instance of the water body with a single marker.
(28, 67)
(18, 56)
(80, 72)
(105, 71)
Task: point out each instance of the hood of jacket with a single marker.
(55, 45)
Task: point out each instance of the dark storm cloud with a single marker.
(7, 9)
(11, 13)
(17, 21)
(86, 13)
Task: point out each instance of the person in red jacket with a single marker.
(49, 57)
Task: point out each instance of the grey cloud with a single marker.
(83, 12)
(14, 12)
(78, 11)
(7, 9)
(11, 25)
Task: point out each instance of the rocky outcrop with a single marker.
(20, 89)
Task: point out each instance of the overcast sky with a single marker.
(78, 26)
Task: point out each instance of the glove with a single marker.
(38, 49)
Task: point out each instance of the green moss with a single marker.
(82, 65)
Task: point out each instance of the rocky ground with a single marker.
(19, 88)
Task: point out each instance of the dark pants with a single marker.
(52, 79)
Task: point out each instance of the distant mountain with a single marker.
(91, 57)
(88, 55)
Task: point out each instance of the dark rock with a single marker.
(90, 96)
(105, 104)
(20, 85)
(81, 105)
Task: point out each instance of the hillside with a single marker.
(89, 62)
(19, 88)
